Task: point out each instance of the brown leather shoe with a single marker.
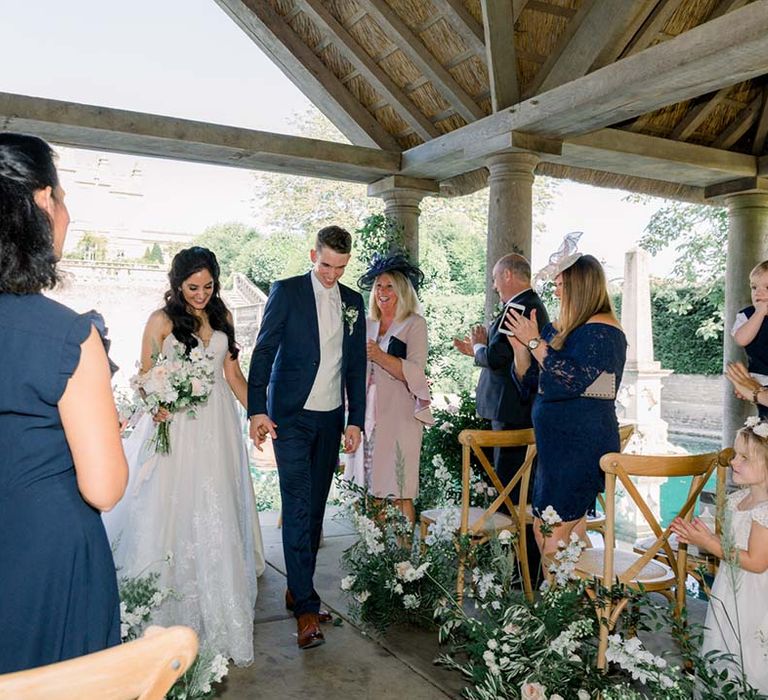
(290, 604)
(309, 634)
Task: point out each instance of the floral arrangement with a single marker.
(440, 464)
(350, 313)
(176, 382)
(392, 579)
(139, 597)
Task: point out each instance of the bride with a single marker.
(190, 515)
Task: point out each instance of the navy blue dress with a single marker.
(58, 588)
(573, 430)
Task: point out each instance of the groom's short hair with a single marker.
(335, 238)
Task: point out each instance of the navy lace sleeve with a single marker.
(589, 351)
(529, 383)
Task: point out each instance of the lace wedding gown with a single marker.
(191, 517)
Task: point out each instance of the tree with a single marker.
(228, 241)
(699, 233)
(90, 247)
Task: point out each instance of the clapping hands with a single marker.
(744, 385)
(694, 532)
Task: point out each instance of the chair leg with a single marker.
(460, 580)
(602, 646)
(525, 572)
(424, 530)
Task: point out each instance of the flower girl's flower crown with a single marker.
(758, 427)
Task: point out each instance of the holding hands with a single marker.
(261, 425)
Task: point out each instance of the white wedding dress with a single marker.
(191, 517)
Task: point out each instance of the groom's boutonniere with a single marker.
(350, 314)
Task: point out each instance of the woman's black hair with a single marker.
(27, 258)
(185, 263)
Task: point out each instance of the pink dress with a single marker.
(387, 462)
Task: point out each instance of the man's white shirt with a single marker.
(326, 390)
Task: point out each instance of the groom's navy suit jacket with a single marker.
(287, 353)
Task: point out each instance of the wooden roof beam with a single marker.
(741, 125)
(758, 145)
(697, 115)
(305, 70)
(499, 28)
(463, 23)
(399, 32)
(120, 131)
(652, 26)
(366, 67)
(596, 25)
(722, 52)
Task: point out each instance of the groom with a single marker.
(309, 355)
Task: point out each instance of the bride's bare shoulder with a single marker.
(159, 323)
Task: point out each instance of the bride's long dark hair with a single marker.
(185, 263)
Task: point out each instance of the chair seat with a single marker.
(696, 556)
(653, 575)
(498, 521)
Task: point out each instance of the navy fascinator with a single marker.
(392, 262)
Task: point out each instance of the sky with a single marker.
(186, 58)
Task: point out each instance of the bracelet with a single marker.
(756, 393)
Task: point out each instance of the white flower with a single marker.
(505, 537)
(489, 657)
(555, 696)
(493, 644)
(452, 409)
(446, 426)
(533, 691)
(362, 596)
(398, 588)
(350, 314)
(411, 601)
(582, 695)
(219, 667)
(347, 582)
(511, 628)
(438, 461)
(550, 517)
(751, 421)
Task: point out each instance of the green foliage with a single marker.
(378, 234)
(688, 328)
(90, 247)
(228, 241)
(440, 465)
(267, 489)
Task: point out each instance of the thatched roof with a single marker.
(422, 68)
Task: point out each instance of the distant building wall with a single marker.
(693, 403)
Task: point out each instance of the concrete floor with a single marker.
(351, 664)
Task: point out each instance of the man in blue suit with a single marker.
(309, 356)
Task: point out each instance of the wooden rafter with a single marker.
(652, 26)
(758, 145)
(595, 26)
(739, 126)
(499, 28)
(697, 115)
(286, 49)
(463, 23)
(612, 51)
(702, 60)
(550, 8)
(121, 131)
(399, 32)
(366, 67)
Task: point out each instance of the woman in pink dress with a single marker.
(397, 398)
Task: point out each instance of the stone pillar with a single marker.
(510, 212)
(747, 246)
(402, 197)
(640, 394)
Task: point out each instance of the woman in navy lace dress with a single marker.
(61, 460)
(579, 363)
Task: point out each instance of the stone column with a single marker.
(747, 246)
(402, 197)
(510, 212)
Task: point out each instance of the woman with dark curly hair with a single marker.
(61, 461)
(195, 505)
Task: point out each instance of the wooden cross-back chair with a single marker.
(596, 522)
(696, 559)
(143, 669)
(480, 523)
(609, 565)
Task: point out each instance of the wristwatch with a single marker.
(533, 343)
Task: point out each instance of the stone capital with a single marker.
(401, 185)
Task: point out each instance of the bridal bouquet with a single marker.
(177, 382)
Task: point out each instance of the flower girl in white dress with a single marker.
(737, 618)
(190, 515)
